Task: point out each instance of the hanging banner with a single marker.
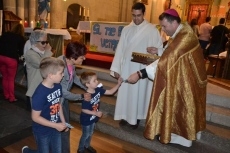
(105, 36)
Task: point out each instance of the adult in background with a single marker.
(195, 27)
(74, 55)
(28, 43)
(133, 100)
(40, 49)
(218, 38)
(11, 48)
(205, 31)
(177, 107)
(27, 47)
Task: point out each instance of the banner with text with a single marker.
(105, 36)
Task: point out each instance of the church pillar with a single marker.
(20, 10)
(10, 5)
(32, 10)
(156, 10)
(56, 16)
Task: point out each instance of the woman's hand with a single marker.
(87, 96)
(48, 47)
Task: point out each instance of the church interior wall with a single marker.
(104, 10)
(98, 9)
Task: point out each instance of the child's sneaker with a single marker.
(80, 151)
(90, 149)
(24, 149)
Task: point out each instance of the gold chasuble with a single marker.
(178, 101)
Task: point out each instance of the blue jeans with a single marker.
(203, 43)
(47, 143)
(87, 132)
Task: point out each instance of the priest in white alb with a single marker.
(133, 100)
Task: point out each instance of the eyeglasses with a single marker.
(43, 42)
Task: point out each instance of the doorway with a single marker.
(73, 17)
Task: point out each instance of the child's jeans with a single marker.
(46, 143)
(87, 132)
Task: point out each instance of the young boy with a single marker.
(47, 115)
(90, 113)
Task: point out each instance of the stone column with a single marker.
(20, 10)
(10, 5)
(32, 10)
(156, 10)
(56, 16)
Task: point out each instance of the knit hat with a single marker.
(172, 12)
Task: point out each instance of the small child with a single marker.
(90, 113)
(47, 115)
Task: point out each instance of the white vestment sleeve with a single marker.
(160, 51)
(151, 69)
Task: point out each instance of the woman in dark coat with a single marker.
(11, 48)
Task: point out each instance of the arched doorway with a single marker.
(73, 17)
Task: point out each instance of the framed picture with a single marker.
(145, 2)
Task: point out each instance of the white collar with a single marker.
(177, 31)
(37, 50)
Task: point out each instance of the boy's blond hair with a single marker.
(86, 77)
(50, 65)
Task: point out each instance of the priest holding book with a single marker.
(178, 101)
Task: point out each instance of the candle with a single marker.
(46, 25)
(32, 24)
(80, 11)
(25, 24)
(88, 12)
(84, 12)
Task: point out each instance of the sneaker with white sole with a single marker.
(23, 148)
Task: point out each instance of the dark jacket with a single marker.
(218, 36)
(11, 45)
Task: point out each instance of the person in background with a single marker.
(11, 48)
(74, 55)
(47, 114)
(90, 109)
(137, 36)
(218, 38)
(178, 102)
(40, 49)
(27, 47)
(205, 31)
(195, 27)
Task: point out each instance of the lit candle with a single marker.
(84, 12)
(46, 25)
(32, 24)
(80, 11)
(88, 12)
(25, 24)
